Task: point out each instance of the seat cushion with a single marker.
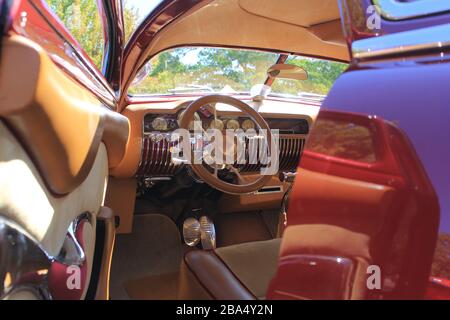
(253, 263)
(238, 272)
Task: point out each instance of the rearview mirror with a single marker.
(287, 71)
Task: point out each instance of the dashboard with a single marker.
(155, 159)
(160, 123)
(148, 150)
(148, 159)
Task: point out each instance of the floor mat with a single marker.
(167, 285)
(144, 260)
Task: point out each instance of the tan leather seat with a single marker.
(238, 272)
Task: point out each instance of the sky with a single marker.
(144, 6)
(191, 57)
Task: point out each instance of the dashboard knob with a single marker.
(287, 176)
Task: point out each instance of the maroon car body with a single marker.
(398, 92)
(399, 95)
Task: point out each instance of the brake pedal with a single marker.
(191, 232)
(207, 233)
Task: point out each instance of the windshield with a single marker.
(219, 70)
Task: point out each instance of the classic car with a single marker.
(224, 149)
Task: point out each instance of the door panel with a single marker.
(27, 201)
(367, 201)
(373, 181)
(46, 218)
(58, 142)
(37, 102)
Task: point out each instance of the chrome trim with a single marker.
(191, 232)
(17, 293)
(156, 179)
(23, 262)
(72, 252)
(156, 159)
(288, 177)
(395, 10)
(207, 233)
(403, 42)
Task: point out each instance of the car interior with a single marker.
(87, 177)
(249, 222)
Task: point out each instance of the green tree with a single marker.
(321, 76)
(342, 139)
(130, 17)
(240, 69)
(82, 19)
(441, 262)
(215, 68)
(243, 67)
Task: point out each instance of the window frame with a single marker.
(103, 89)
(110, 15)
(398, 11)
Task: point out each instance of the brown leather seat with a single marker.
(238, 272)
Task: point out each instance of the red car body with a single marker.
(401, 99)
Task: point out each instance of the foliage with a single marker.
(321, 76)
(214, 68)
(342, 139)
(441, 262)
(239, 69)
(82, 19)
(130, 17)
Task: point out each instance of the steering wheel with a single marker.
(212, 178)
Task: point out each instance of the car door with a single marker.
(59, 138)
(369, 216)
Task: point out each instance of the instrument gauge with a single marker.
(216, 124)
(248, 125)
(233, 124)
(159, 124)
(192, 123)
